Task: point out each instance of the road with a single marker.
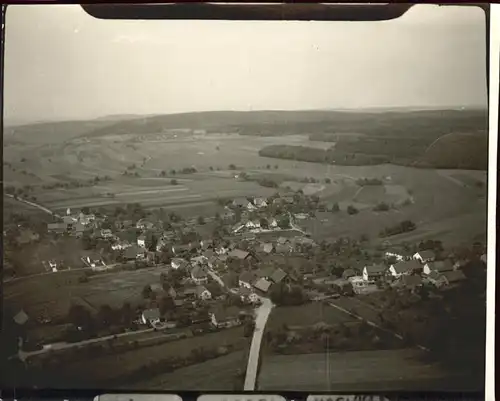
(23, 355)
(262, 314)
(38, 206)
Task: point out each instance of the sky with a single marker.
(62, 64)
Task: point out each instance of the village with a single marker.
(215, 272)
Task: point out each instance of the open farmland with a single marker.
(219, 374)
(52, 294)
(125, 369)
(387, 370)
(306, 315)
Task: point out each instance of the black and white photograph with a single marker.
(239, 206)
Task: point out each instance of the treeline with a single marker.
(403, 227)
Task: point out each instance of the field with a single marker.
(306, 315)
(387, 370)
(51, 295)
(214, 375)
(114, 368)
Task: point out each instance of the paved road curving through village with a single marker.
(262, 314)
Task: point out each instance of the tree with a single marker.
(232, 167)
(381, 207)
(172, 172)
(335, 207)
(328, 181)
(268, 167)
(173, 181)
(201, 220)
(146, 292)
(284, 222)
(127, 315)
(166, 304)
(264, 223)
(105, 315)
(352, 210)
(163, 173)
(85, 210)
(211, 168)
(79, 316)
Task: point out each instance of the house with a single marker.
(260, 202)
(69, 220)
(263, 284)
(454, 277)
(283, 248)
(404, 267)
(86, 219)
(93, 261)
(247, 295)
(265, 272)
(437, 279)
(178, 263)
(133, 252)
(150, 316)
(58, 228)
(221, 250)
(141, 241)
(398, 255)
(246, 279)
(180, 249)
(278, 276)
(425, 256)
(252, 224)
(203, 293)
(243, 203)
(107, 233)
(144, 224)
(273, 223)
(266, 247)
(348, 273)
(438, 267)
(226, 317)
(374, 272)
(199, 275)
(120, 245)
(239, 254)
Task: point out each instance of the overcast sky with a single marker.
(61, 63)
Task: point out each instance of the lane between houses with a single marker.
(262, 314)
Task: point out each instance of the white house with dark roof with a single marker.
(374, 272)
(425, 256)
(203, 293)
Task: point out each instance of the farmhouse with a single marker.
(266, 247)
(262, 284)
(374, 272)
(86, 219)
(437, 279)
(225, 317)
(438, 267)
(239, 254)
(133, 252)
(247, 279)
(93, 261)
(425, 256)
(144, 224)
(178, 263)
(243, 203)
(150, 316)
(247, 295)
(199, 275)
(106, 233)
(260, 202)
(203, 293)
(404, 267)
(278, 276)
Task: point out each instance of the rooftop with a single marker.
(406, 266)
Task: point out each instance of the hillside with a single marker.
(51, 132)
(458, 150)
(432, 123)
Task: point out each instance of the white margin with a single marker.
(494, 52)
